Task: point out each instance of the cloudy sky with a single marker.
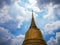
(15, 19)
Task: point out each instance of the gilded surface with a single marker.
(33, 35)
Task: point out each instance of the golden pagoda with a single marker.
(33, 35)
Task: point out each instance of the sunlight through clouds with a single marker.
(16, 15)
(32, 1)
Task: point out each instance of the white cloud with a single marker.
(50, 15)
(4, 16)
(50, 27)
(26, 17)
(50, 8)
(58, 11)
(32, 5)
(54, 41)
(18, 40)
(17, 0)
(4, 35)
(58, 37)
(24, 14)
(36, 9)
(32, 1)
(19, 8)
(21, 19)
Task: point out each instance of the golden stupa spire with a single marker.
(33, 22)
(33, 36)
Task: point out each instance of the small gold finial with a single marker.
(32, 15)
(33, 21)
(32, 12)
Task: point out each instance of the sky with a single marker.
(15, 20)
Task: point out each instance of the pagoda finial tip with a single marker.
(32, 13)
(32, 10)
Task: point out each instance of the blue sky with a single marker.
(15, 20)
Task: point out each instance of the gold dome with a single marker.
(33, 35)
(33, 32)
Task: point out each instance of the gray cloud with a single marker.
(4, 14)
(6, 43)
(54, 41)
(18, 40)
(48, 1)
(7, 2)
(6, 38)
(6, 19)
(51, 27)
(4, 35)
(43, 3)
